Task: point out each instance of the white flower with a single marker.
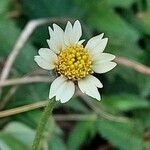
(73, 62)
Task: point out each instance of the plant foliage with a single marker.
(126, 92)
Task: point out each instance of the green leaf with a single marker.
(77, 104)
(122, 35)
(34, 8)
(124, 102)
(12, 143)
(148, 4)
(4, 6)
(120, 79)
(20, 132)
(30, 118)
(121, 3)
(120, 48)
(102, 21)
(56, 142)
(25, 60)
(126, 136)
(17, 136)
(144, 21)
(144, 117)
(82, 131)
(4, 146)
(31, 93)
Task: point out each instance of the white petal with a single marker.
(103, 67)
(72, 34)
(43, 63)
(66, 91)
(48, 55)
(68, 33)
(56, 85)
(57, 29)
(52, 43)
(80, 42)
(56, 41)
(77, 31)
(94, 80)
(51, 32)
(88, 88)
(94, 40)
(46, 58)
(97, 45)
(103, 57)
(102, 45)
(59, 33)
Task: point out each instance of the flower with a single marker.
(73, 62)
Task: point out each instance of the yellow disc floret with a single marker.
(74, 62)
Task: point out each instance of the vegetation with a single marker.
(121, 120)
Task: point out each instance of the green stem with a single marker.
(47, 112)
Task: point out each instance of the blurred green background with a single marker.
(126, 92)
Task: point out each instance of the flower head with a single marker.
(74, 62)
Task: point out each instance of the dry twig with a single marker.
(100, 112)
(76, 117)
(26, 80)
(134, 65)
(22, 109)
(60, 117)
(7, 96)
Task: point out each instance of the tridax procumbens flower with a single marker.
(74, 62)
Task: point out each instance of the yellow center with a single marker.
(74, 62)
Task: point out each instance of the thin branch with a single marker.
(76, 117)
(58, 117)
(132, 64)
(13, 89)
(7, 96)
(36, 105)
(26, 80)
(22, 109)
(20, 81)
(85, 98)
(27, 31)
(100, 112)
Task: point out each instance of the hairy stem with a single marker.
(47, 112)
